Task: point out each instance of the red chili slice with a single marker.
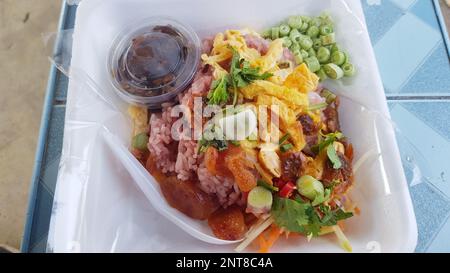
(287, 190)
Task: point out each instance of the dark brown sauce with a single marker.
(152, 62)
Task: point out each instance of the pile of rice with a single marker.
(180, 157)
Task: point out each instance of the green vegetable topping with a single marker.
(284, 30)
(318, 106)
(220, 145)
(286, 147)
(260, 200)
(338, 57)
(314, 37)
(284, 138)
(333, 71)
(218, 93)
(328, 39)
(275, 31)
(309, 187)
(266, 185)
(140, 141)
(242, 74)
(323, 54)
(313, 31)
(298, 216)
(295, 22)
(313, 64)
(333, 157)
(327, 140)
(328, 95)
(349, 69)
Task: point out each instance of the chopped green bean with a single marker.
(333, 71)
(335, 48)
(306, 19)
(295, 35)
(275, 33)
(317, 43)
(326, 18)
(294, 47)
(298, 57)
(316, 21)
(306, 42)
(313, 31)
(328, 95)
(347, 58)
(312, 52)
(349, 69)
(326, 29)
(304, 53)
(304, 27)
(295, 22)
(313, 64)
(287, 42)
(284, 30)
(323, 55)
(267, 33)
(322, 75)
(338, 57)
(328, 39)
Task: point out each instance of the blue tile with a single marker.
(55, 135)
(435, 114)
(41, 217)
(433, 76)
(403, 49)
(61, 83)
(49, 175)
(441, 243)
(405, 4)
(380, 18)
(421, 144)
(40, 246)
(424, 9)
(431, 209)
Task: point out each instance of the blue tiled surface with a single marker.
(415, 68)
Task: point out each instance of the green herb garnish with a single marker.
(326, 140)
(284, 138)
(333, 157)
(286, 147)
(219, 93)
(302, 217)
(220, 145)
(266, 185)
(242, 74)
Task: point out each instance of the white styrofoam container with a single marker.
(98, 206)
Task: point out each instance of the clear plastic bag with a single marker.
(105, 201)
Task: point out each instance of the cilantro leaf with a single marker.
(290, 214)
(242, 74)
(218, 93)
(333, 157)
(327, 140)
(302, 217)
(330, 218)
(322, 197)
(220, 145)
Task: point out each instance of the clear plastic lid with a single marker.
(153, 60)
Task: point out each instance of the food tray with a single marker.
(405, 102)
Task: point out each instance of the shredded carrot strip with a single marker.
(262, 243)
(341, 224)
(273, 235)
(357, 211)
